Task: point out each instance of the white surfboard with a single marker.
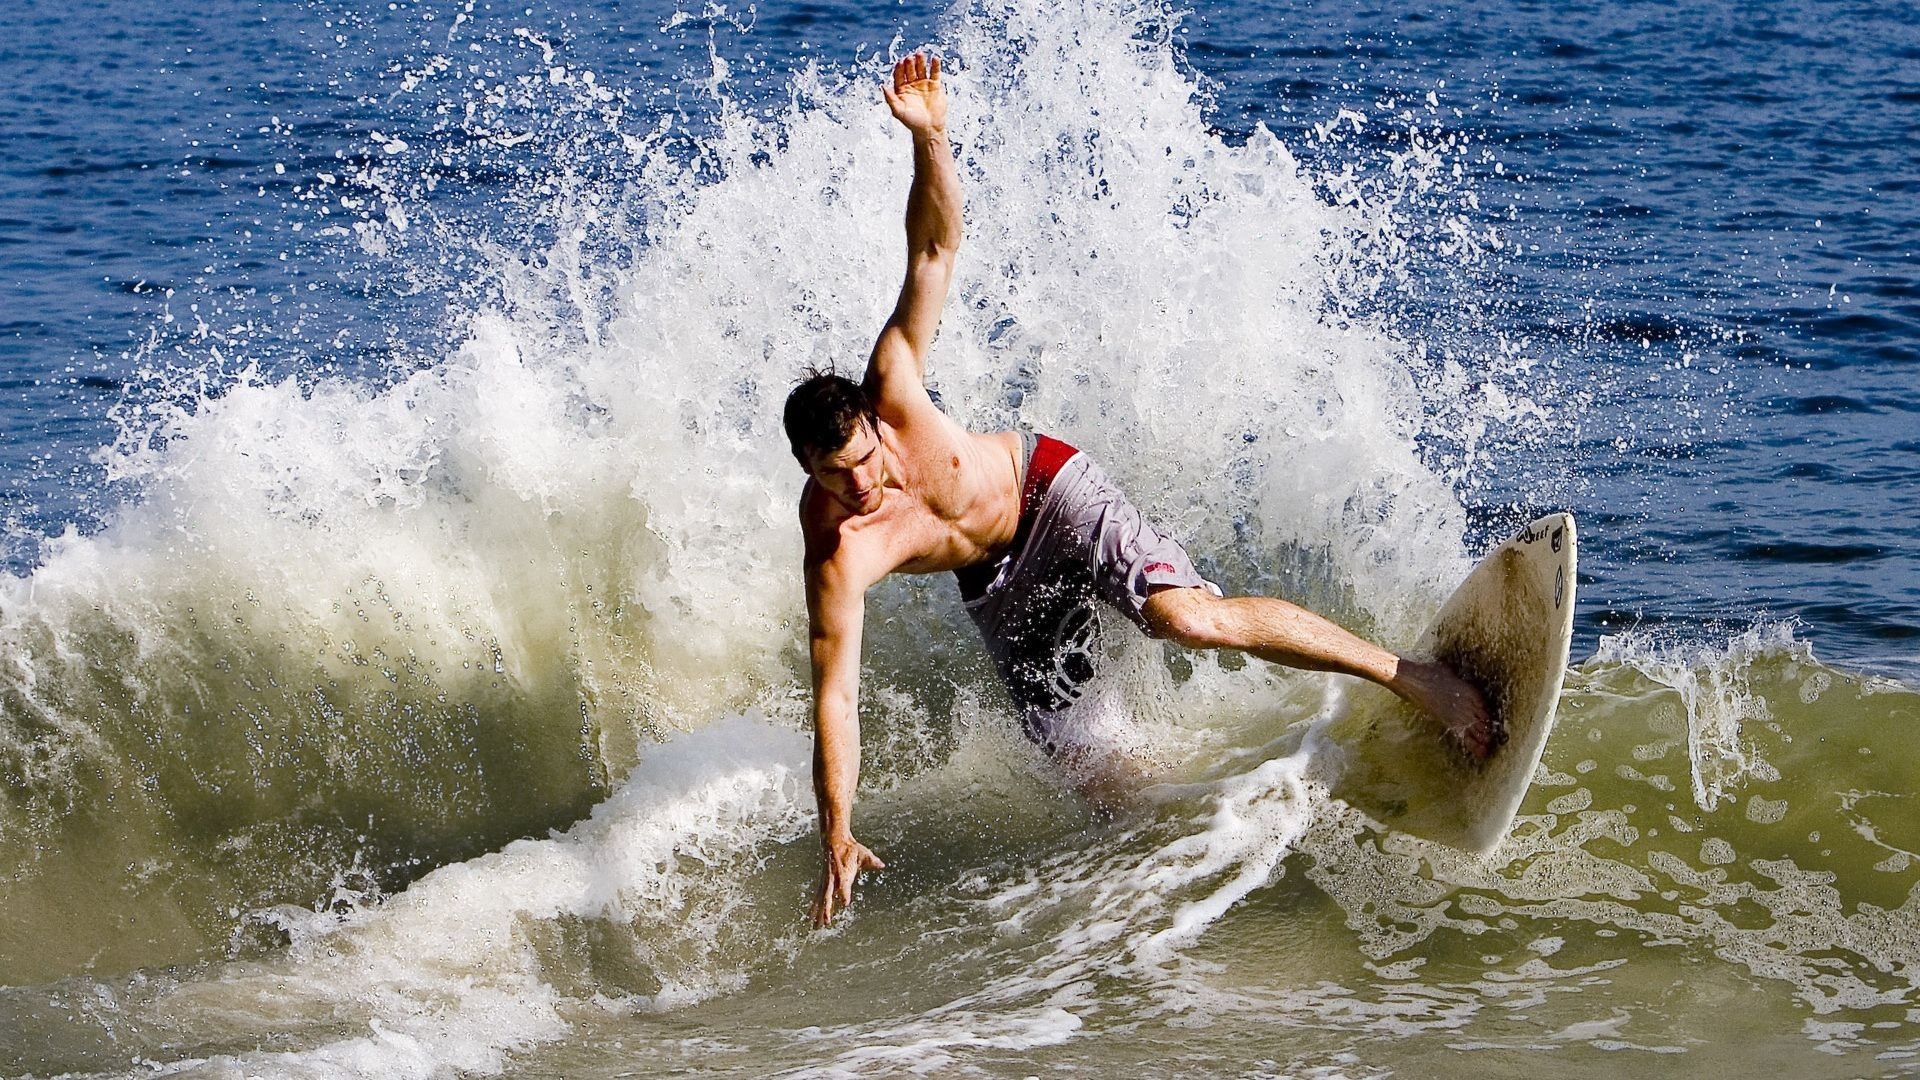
(1506, 629)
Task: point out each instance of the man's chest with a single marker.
(916, 537)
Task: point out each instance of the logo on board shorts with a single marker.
(1075, 638)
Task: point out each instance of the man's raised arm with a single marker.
(896, 372)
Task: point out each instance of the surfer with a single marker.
(1034, 530)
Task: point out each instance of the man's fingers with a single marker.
(910, 69)
(837, 879)
(916, 67)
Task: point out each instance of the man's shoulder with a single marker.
(824, 533)
(934, 435)
(820, 516)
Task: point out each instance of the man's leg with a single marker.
(1292, 636)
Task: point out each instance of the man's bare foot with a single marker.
(1453, 701)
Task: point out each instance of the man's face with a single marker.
(855, 475)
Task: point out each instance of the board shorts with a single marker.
(1079, 543)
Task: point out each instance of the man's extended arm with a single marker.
(897, 370)
(836, 601)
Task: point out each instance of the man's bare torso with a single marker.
(951, 499)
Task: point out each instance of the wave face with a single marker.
(451, 720)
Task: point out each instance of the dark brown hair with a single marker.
(823, 412)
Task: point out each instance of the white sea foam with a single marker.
(453, 973)
(1719, 703)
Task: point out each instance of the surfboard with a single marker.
(1506, 629)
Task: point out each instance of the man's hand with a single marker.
(916, 97)
(845, 858)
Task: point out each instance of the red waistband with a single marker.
(1048, 455)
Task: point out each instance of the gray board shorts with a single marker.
(1083, 542)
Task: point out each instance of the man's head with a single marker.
(835, 436)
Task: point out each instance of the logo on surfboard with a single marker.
(1558, 536)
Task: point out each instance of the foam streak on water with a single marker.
(454, 973)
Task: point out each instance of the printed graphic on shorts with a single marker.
(1049, 644)
(1075, 640)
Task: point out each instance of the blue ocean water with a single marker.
(1717, 214)
(399, 644)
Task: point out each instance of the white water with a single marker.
(449, 974)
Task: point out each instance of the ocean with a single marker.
(402, 665)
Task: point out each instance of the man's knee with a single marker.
(1191, 618)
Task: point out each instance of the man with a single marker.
(1034, 530)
